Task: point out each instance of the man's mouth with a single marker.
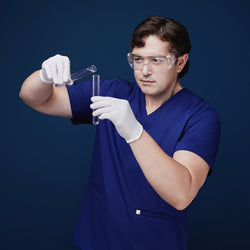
(147, 81)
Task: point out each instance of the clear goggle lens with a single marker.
(154, 63)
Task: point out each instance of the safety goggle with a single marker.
(154, 63)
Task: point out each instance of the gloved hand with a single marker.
(56, 70)
(118, 111)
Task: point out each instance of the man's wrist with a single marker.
(137, 134)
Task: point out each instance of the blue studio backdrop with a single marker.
(45, 160)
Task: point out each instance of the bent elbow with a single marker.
(181, 206)
(181, 203)
(23, 97)
(21, 94)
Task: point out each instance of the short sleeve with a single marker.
(79, 95)
(201, 135)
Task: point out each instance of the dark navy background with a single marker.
(45, 160)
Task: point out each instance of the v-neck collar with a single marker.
(166, 103)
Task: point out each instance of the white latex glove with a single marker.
(119, 112)
(56, 70)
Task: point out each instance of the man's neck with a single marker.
(154, 102)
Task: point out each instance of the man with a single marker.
(155, 144)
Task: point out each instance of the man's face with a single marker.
(152, 82)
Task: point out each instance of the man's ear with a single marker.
(182, 60)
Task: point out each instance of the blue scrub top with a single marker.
(121, 211)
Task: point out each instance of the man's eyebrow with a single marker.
(136, 55)
(147, 56)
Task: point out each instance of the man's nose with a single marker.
(146, 70)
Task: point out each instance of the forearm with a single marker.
(176, 179)
(170, 179)
(34, 92)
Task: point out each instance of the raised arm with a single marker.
(39, 92)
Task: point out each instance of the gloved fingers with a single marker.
(63, 69)
(54, 72)
(102, 111)
(97, 98)
(60, 69)
(103, 98)
(110, 101)
(46, 70)
(98, 105)
(56, 69)
(66, 72)
(102, 101)
(104, 116)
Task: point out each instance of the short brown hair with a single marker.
(166, 29)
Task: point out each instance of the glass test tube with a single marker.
(83, 73)
(80, 74)
(95, 92)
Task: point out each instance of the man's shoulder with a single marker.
(196, 101)
(199, 108)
